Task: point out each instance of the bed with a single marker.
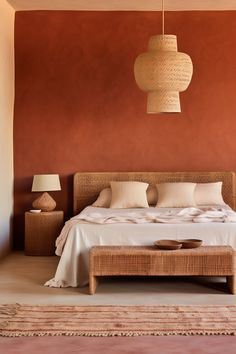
(73, 266)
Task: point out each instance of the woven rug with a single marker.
(25, 320)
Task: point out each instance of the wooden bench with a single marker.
(150, 261)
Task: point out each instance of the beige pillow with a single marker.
(176, 195)
(129, 195)
(104, 199)
(209, 194)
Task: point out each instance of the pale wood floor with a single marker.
(22, 278)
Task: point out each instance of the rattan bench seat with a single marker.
(150, 261)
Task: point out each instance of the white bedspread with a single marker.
(99, 226)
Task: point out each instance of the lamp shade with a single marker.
(46, 183)
(163, 72)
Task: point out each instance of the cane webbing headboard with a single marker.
(87, 185)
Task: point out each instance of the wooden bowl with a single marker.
(168, 244)
(191, 243)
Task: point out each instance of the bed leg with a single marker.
(93, 282)
(231, 281)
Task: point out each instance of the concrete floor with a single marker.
(22, 278)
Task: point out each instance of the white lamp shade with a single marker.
(163, 72)
(46, 183)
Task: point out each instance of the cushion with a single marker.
(129, 195)
(176, 195)
(104, 199)
(209, 194)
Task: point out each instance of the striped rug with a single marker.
(26, 320)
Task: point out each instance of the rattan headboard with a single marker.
(87, 185)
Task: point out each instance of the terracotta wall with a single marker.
(78, 108)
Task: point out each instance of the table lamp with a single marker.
(45, 183)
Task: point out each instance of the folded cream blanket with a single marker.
(147, 215)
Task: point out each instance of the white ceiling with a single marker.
(113, 5)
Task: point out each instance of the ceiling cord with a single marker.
(163, 18)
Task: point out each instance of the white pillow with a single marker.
(129, 195)
(209, 194)
(104, 199)
(176, 195)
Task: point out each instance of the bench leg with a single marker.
(93, 282)
(231, 281)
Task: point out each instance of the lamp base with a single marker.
(45, 202)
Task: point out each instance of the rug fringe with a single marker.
(116, 334)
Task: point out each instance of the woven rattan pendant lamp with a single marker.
(163, 72)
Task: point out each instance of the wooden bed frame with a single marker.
(87, 185)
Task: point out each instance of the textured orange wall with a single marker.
(78, 108)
